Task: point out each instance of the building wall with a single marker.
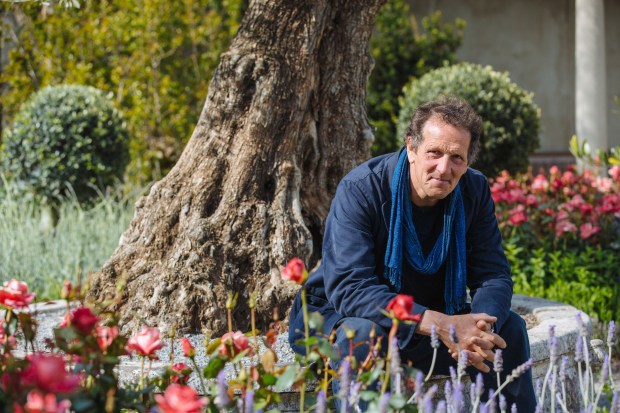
(534, 41)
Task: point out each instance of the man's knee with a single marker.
(353, 335)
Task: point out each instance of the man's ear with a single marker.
(409, 147)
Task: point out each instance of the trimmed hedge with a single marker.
(67, 136)
(511, 118)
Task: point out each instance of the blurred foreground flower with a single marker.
(295, 271)
(40, 403)
(48, 372)
(401, 307)
(180, 399)
(233, 344)
(15, 294)
(146, 342)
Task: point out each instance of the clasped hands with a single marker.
(473, 332)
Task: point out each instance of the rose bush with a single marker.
(561, 232)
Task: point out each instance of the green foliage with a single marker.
(67, 135)
(155, 56)
(511, 118)
(43, 255)
(588, 279)
(598, 159)
(400, 52)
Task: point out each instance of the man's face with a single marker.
(439, 162)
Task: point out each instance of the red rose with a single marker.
(180, 399)
(14, 294)
(295, 271)
(188, 348)
(83, 320)
(48, 373)
(401, 307)
(233, 344)
(146, 342)
(181, 373)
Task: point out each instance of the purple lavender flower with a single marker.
(447, 389)
(615, 403)
(551, 331)
(611, 333)
(441, 407)
(428, 399)
(538, 388)
(502, 403)
(419, 383)
(345, 382)
(457, 397)
(479, 385)
(579, 350)
(384, 403)
(582, 329)
(221, 398)
(453, 337)
(492, 404)
(434, 337)
(498, 363)
(249, 401)
(453, 374)
(513, 408)
(519, 370)
(553, 350)
(563, 369)
(321, 402)
(462, 364)
(354, 395)
(396, 368)
(605, 370)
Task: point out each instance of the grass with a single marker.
(34, 250)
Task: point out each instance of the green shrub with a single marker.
(64, 136)
(399, 53)
(511, 118)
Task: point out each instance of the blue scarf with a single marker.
(450, 244)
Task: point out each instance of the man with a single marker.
(421, 222)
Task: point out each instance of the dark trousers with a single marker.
(420, 353)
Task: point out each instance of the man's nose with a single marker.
(443, 165)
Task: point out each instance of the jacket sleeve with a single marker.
(352, 284)
(488, 271)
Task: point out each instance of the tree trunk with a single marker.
(284, 120)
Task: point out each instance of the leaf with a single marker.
(287, 378)
(398, 401)
(214, 345)
(212, 369)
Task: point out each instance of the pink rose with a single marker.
(401, 306)
(14, 294)
(48, 373)
(40, 403)
(105, 336)
(188, 348)
(517, 217)
(233, 344)
(180, 399)
(564, 226)
(146, 342)
(540, 183)
(295, 271)
(83, 320)
(614, 172)
(587, 230)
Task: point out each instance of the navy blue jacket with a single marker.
(349, 280)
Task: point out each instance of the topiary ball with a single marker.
(67, 138)
(510, 116)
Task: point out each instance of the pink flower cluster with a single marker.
(564, 205)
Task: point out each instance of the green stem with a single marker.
(388, 358)
(202, 380)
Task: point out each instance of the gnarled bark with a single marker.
(284, 120)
